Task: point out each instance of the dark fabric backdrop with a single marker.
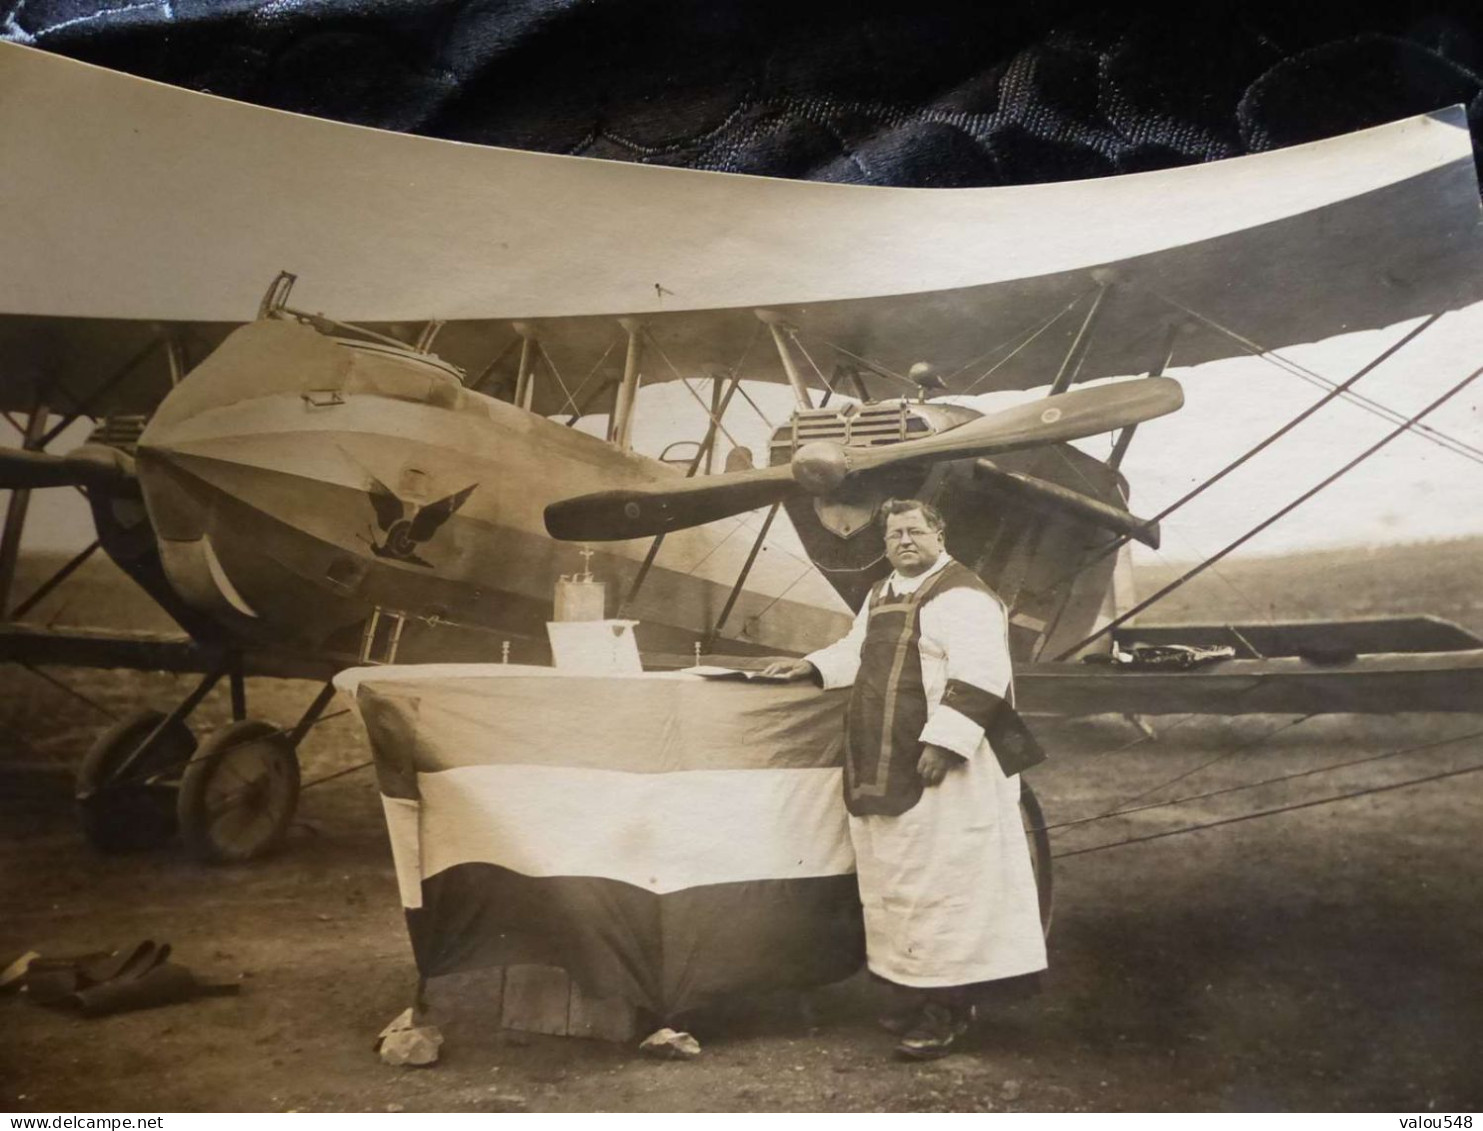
(905, 93)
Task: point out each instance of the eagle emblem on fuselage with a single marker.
(407, 525)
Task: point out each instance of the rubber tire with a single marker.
(1040, 859)
(203, 837)
(130, 818)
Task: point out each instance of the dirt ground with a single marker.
(1320, 959)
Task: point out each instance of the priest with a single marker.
(933, 752)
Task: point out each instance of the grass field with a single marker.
(1441, 578)
(97, 595)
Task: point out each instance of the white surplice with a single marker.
(947, 886)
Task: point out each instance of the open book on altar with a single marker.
(707, 671)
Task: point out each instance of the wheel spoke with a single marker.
(224, 828)
(229, 804)
(237, 795)
(239, 764)
(223, 794)
(249, 829)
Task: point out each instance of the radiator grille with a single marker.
(859, 426)
(120, 432)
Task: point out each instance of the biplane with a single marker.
(405, 476)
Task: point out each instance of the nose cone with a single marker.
(184, 508)
(194, 445)
(820, 467)
(178, 507)
(224, 473)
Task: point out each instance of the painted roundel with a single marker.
(406, 525)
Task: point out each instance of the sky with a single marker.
(1412, 490)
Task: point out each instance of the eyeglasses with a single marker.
(915, 535)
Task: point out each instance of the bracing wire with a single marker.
(1369, 404)
(746, 396)
(1271, 438)
(555, 372)
(69, 690)
(1270, 812)
(591, 373)
(1282, 512)
(790, 587)
(1029, 333)
(653, 341)
(1126, 805)
(879, 370)
(793, 337)
(1368, 759)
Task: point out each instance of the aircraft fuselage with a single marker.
(298, 482)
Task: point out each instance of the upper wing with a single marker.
(1369, 230)
(432, 516)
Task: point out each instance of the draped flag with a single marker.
(665, 839)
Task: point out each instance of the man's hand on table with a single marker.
(935, 762)
(789, 669)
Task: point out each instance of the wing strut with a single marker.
(620, 425)
(1071, 363)
(775, 325)
(477, 384)
(1125, 437)
(741, 578)
(525, 385)
(720, 402)
(32, 438)
(1399, 430)
(175, 358)
(721, 394)
(130, 764)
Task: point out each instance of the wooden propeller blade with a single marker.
(820, 467)
(1052, 420)
(640, 512)
(92, 465)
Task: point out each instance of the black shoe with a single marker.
(901, 1020)
(935, 1032)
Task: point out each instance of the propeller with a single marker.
(91, 465)
(821, 467)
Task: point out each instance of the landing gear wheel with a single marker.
(1034, 820)
(238, 793)
(131, 813)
